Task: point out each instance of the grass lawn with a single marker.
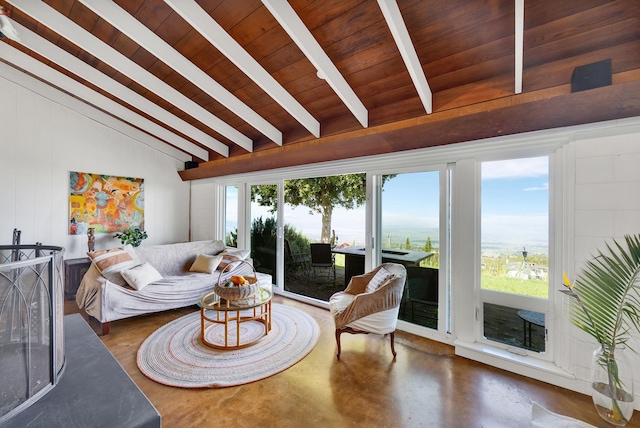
(526, 287)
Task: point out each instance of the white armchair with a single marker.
(370, 303)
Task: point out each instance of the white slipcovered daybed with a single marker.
(107, 297)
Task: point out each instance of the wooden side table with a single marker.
(231, 311)
(74, 270)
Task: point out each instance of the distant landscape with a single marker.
(396, 237)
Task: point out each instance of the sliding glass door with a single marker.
(411, 235)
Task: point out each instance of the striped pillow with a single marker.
(237, 252)
(111, 262)
(229, 262)
(378, 279)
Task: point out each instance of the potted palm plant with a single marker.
(605, 304)
(133, 236)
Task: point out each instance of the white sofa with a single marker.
(106, 301)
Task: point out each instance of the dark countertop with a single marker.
(93, 391)
(390, 254)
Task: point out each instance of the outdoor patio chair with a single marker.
(296, 260)
(323, 258)
(370, 303)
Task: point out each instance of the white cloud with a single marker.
(516, 168)
(545, 186)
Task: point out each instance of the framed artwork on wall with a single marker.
(105, 203)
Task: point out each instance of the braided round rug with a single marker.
(174, 354)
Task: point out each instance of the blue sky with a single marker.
(515, 202)
(514, 207)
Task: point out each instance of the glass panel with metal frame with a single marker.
(324, 209)
(410, 227)
(264, 229)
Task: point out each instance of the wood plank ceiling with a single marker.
(244, 85)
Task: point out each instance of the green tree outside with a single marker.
(428, 246)
(320, 195)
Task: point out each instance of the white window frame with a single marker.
(512, 300)
(464, 240)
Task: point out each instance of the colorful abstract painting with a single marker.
(104, 202)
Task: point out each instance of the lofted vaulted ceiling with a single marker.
(244, 85)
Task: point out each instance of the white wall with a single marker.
(606, 207)
(203, 210)
(44, 135)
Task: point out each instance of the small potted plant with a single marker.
(605, 303)
(133, 236)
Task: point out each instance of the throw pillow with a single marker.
(237, 252)
(140, 276)
(111, 262)
(378, 279)
(229, 262)
(205, 263)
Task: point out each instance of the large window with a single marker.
(515, 252)
(485, 217)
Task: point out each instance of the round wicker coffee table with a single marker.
(229, 312)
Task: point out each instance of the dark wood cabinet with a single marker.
(74, 270)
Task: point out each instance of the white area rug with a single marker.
(543, 418)
(174, 355)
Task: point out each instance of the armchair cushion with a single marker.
(386, 297)
(379, 322)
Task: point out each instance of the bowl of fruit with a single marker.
(237, 287)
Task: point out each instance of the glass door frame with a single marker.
(536, 304)
(373, 251)
(245, 209)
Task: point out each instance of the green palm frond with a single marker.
(607, 299)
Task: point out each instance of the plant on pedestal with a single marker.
(606, 305)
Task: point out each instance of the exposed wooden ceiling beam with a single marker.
(75, 34)
(65, 60)
(300, 34)
(396, 24)
(218, 37)
(136, 31)
(81, 92)
(539, 112)
(519, 47)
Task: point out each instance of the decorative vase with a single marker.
(91, 239)
(612, 385)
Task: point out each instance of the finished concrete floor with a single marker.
(426, 386)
